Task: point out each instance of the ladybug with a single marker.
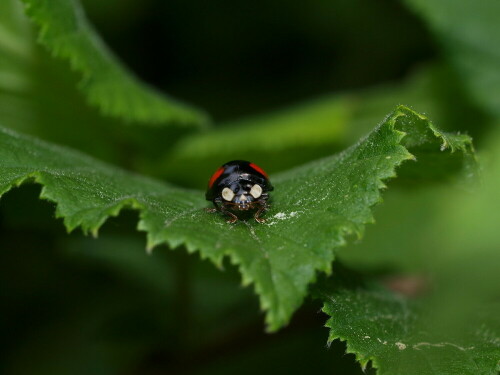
(239, 187)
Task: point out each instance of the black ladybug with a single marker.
(239, 186)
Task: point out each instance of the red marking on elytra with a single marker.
(215, 176)
(258, 169)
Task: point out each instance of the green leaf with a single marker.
(107, 84)
(314, 207)
(469, 31)
(390, 331)
(452, 241)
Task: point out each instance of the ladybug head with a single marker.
(242, 193)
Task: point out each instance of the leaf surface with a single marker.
(107, 84)
(387, 329)
(314, 207)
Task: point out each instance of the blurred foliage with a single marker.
(243, 59)
(66, 33)
(320, 128)
(286, 82)
(470, 43)
(38, 96)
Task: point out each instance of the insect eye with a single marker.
(227, 194)
(256, 191)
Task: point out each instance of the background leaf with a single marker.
(107, 84)
(333, 196)
(38, 96)
(392, 332)
(469, 32)
(308, 131)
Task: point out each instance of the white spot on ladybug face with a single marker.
(256, 191)
(227, 194)
(243, 198)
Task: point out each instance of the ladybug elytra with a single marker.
(237, 187)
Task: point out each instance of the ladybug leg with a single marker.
(233, 219)
(263, 207)
(214, 209)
